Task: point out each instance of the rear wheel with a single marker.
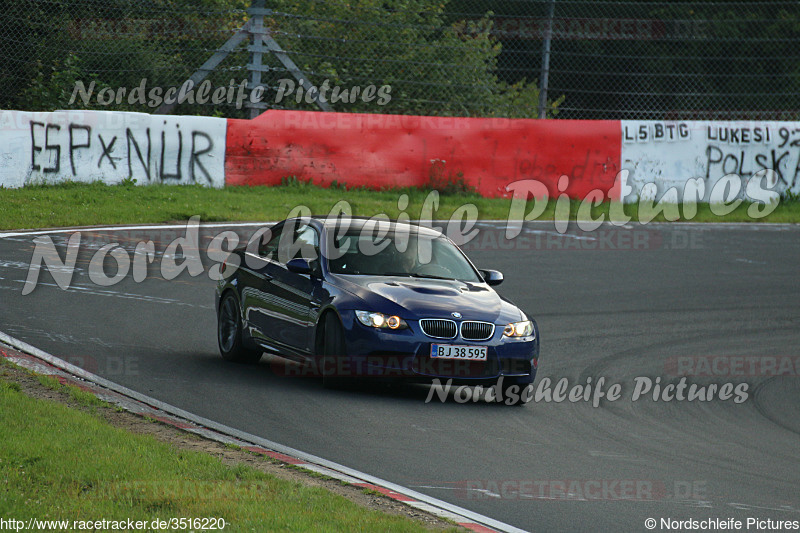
(229, 333)
(333, 352)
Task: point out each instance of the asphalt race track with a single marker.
(649, 301)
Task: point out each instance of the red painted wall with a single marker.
(401, 150)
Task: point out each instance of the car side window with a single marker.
(302, 242)
(307, 238)
(269, 250)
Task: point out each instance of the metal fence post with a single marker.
(264, 43)
(545, 73)
(257, 32)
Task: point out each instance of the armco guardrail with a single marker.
(657, 159)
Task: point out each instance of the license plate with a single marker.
(458, 351)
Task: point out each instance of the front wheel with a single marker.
(333, 353)
(229, 333)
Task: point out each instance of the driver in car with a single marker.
(406, 261)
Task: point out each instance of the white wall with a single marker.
(110, 146)
(669, 153)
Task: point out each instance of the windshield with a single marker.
(399, 254)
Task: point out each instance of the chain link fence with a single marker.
(600, 59)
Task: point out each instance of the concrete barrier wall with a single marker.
(398, 150)
(668, 154)
(716, 159)
(110, 146)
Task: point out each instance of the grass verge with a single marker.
(62, 463)
(75, 204)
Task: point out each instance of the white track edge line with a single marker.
(731, 225)
(227, 430)
(129, 228)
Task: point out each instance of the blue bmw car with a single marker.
(353, 297)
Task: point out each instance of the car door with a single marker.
(258, 298)
(289, 315)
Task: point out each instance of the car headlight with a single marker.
(518, 329)
(379, 320)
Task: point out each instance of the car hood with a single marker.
(414, 298)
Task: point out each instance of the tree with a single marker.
(429, 62)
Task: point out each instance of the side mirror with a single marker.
(299, 265)
(492, 277)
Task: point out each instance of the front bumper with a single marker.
(405, 353)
